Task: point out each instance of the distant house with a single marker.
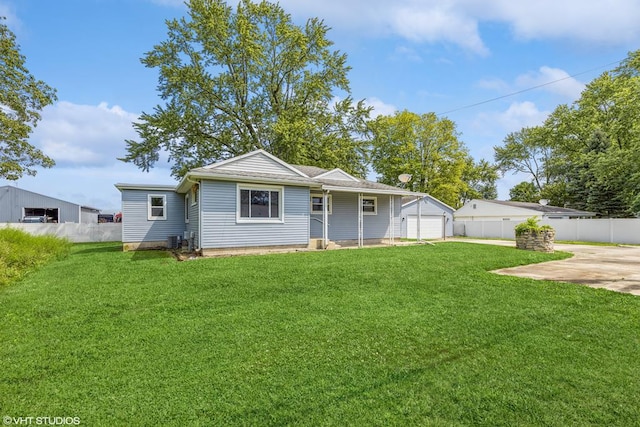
(436, 218)
(18, 205)
(258, 201)
(496, 210)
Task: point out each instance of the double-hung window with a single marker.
(259, 203)
(156, 207)
(370, 205)
(317, 202)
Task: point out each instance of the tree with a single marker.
(22, 97)
(526, 151)
(480, 179)
(526, 191)
(585, 156)
(235, 81)
(425, 146)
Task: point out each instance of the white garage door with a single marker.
(430, 227)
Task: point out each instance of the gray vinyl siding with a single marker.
(343, 222)
(13, 200)
(429, 208)
(257, 163)
(221, 230)
(136, 227)
(194, 222)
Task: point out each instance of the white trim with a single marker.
(255, 153)
(375, 205)
(349, 176)
(279, 189)
(368, 190)
(360, 222)
(392, 231)
(320, 195)
(195, 194)
(187, 205)
(152, 187)
(151, 217)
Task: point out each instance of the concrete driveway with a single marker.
(616, 268)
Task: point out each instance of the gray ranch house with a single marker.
(256, 201)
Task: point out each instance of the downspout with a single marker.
(199, 183)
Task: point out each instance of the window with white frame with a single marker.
(156, 207)
(370, 205)
(195, 193)
(317, 202)
(259, 203)
(186, 208)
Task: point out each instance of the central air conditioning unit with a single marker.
(173, 242)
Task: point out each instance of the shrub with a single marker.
(21, 252)
(531, 225)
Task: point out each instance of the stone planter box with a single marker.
(540, 241)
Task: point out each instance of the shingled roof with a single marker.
(546, 209)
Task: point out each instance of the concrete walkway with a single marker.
(616, 268)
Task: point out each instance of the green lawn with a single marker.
(417, 335)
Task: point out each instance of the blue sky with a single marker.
(420, 55)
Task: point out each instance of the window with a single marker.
(195, 192)
(259, 203)
(317, 201)
(370, 205)
(157, 207)
(186, 208)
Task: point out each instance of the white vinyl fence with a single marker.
(77, 233)
(584, 230)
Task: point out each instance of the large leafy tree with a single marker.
(586, 155)
(22, 97)
(425, 146)
(526, 151)
(235, 80)
(480, 179)
(525, 191)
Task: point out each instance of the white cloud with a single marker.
(611, 22)
(380, 108)
(458, 21)
(436, 24)
(85, 141)
(11, 20)
(84, 135)
(514, 118)
(555, 80)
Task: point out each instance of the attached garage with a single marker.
(430, 227)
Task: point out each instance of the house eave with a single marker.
(398, 192)
(184, 184)
(152, 187)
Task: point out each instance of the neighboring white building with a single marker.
(495, 210)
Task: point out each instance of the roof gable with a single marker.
(256, 161)
(337, 174)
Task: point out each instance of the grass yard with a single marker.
(416, 335)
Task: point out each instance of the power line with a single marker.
(528, 89)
